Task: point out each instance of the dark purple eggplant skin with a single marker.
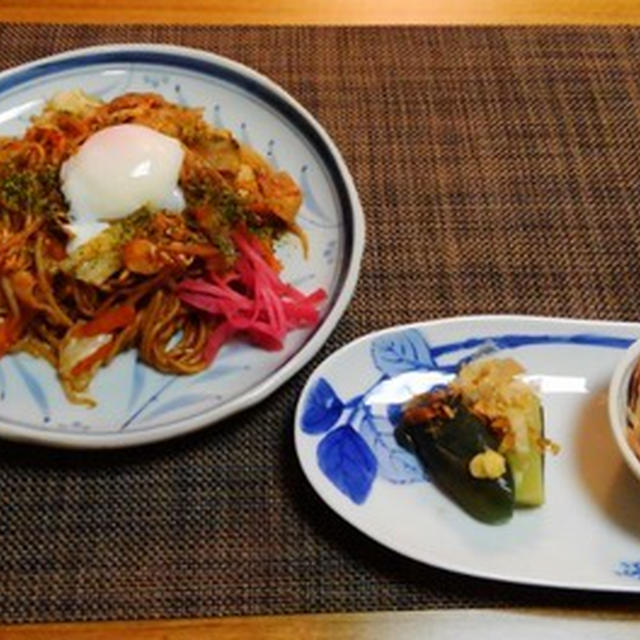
(445, 447)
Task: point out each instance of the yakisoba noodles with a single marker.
(174, 281)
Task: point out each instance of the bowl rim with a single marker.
(617, 401)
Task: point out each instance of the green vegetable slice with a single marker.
(527, 467)
(445, 444)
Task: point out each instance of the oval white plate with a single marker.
(586, 535)
(137, 405)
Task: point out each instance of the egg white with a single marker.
(117, 171)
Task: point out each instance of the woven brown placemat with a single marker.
(498, 171)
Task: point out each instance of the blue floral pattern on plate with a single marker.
(629, 570)
(359, 445)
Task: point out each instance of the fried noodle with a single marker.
(78, 310)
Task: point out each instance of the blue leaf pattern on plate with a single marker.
(244, 134)
(329, 252)
(394, 464)
(180, 99)
(323, 408)
(137, 383)
(629, 569)
(32, 384)
(310, 204)
(179, 402)
(172, 404)
(402, 351)
(345, 458)
(218, 371)
(394, 414)
(111, 88)
(271, 154)
(217, 117)
(133, 417)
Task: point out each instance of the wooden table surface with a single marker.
(431, 625)
(481, 625)
(325, 11)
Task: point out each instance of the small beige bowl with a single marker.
(618, 399)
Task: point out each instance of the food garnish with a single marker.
(136, 224)
(481, 439)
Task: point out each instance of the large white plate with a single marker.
(586, 535)
(137, 405)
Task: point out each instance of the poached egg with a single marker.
(117, 171)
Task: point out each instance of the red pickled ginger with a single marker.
(252, 301)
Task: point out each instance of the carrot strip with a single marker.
(89, 361)
(10, 331)
(107, 321)
(192, 249)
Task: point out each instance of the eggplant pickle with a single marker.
(481, 439)
(447, 437)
